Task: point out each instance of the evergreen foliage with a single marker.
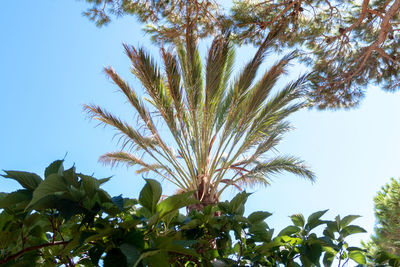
(348, 44)
(387, 212)
(385, 243)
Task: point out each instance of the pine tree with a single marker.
(348, 44)
(387, 213)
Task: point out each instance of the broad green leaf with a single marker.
(173, 247)
(150, 195)
(289, 230)
(90, 184)
(351, 229)
(168, 244)
(118, 201)
(135, 238)
(54, 168)
(258, 216)
(185, 243)
(328, 233)
(71, 178)
(357, 256)
(28, 180)
(266, 247)
(51, 185)
(315, 216)
(146, 254)
(328, 259)
(238, 201)
(154, 219)
(314, 221)
(332, 226)
(313, 252)
(159, 259)
(348, 219)
(15, 198)
(298, 219)
(103, 180)
(327, 240)
(191, 224)
(67, 208)
(131, 253)
(169, 217)
(354, 249)
(259, 228)
(175, 202)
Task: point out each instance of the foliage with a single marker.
(220, 132)
(66, 219)
(349, 44)
(385, 243)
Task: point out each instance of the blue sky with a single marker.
(52, 60)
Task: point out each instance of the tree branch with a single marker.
(18, 254)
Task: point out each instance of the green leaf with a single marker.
(90, 184)
(135, 238)
(289, 230)
(348, 219)
(15, 198)
(238, 201)
(314, 221)
(103, 180)
(131, 253)
(118, 201)
(158, 260)
(71, 178)
(175, 202)
(315, 216)
(150, 195)
(313, 252)
(51, 185)
(351, 229)
(261, 232)
(357, 256)
(298, 219)
(154, 219)
(115, 258)
(28, 180)
(328, 234)
(67, 208)
(328, 259)
(54, 168)
(145, 255)
(258, 216)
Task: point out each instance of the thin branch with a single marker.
(18, 254)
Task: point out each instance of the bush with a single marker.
(67, 219)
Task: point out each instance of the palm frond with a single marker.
(96, 112)
(284, 163)
(121, 157)
(219, 128)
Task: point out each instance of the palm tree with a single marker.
(221, 131)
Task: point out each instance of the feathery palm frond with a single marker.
(220, 127)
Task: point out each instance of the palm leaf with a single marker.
(219, 127)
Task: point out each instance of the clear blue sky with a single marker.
(52, 60)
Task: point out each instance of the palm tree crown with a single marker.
(222, 129)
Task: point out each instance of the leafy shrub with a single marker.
(67, 219)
